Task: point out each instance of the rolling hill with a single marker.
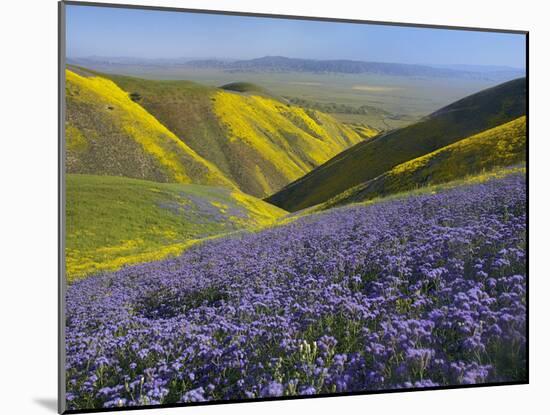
(247, 88)
(108, 133)
(369, 159)
(256, 142)
(492, 149)
(117, 221)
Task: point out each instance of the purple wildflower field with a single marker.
(428, 290)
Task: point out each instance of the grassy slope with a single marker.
(109, 134)
(281, 143)
(369, 159)
(258, 142)
(248, 88)
(365, 131)
(500, 146)
(115, 221)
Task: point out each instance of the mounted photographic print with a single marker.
(258, 207)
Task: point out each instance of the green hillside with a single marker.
(247, 88)
(258, 142)
(497, 147)
(116, 221)
(369, 159)
(108, 133)
(366, 132)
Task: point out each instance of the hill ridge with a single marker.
(498, 147)
(235, 130)
(129, 136)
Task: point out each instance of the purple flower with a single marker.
(272, 389)
(412, 292)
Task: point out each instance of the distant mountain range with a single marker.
(285, 64)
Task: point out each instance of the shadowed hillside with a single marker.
(116, 221)
(369, 159)
(497, 147)
(257, 141)
(108, 133)
(247, 88)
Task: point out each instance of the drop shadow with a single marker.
(48, 403)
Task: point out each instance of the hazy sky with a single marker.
(117, 32)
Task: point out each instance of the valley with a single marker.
(188, 162)
(371, 158)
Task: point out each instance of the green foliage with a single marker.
(134, 96)
(246, 88)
